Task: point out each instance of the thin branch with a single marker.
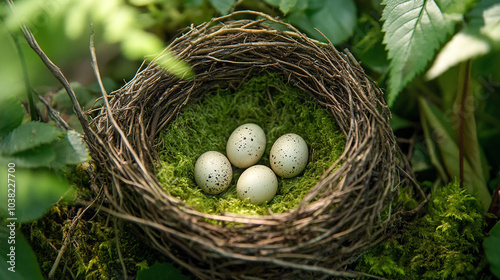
(66, 242)
(68, 235)
(54, 115)
(28, 35)
(117, 240)
(108, 108)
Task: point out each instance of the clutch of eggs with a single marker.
(245, 146)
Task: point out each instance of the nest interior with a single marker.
(206, 124)
(345, 213)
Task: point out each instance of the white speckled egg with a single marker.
(258, 184)
(246, 145)
(288, 156)
(213, 172)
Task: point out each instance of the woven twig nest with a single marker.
(345, 213)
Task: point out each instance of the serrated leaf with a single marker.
(11, 115)
(26, 264)
(335, 19)
(414, 30)
(40, 156)
(479, 37)
(28, 136)
(36, 191)
(223, 6)
(70, 149)
(161, 271)
(441, 141)
(491, 246)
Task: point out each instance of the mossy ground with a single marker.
(206, 124)
(92, 250)
(446, 243)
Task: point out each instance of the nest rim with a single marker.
(121, 144)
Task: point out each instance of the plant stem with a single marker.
(465, 88)
(32, 109)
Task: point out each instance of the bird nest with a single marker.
(350, 208)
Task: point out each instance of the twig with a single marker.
(118, 249)
(65, 244)
(68, 235)
(54, 115)
(28, 35)
(108, 108)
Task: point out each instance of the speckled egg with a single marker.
(246, 145)
(288, 156)
(258, 184)
(213, 172)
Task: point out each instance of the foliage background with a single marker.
(436, 59)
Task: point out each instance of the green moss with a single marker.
(206, 124)
(92, 252)
(443, 244)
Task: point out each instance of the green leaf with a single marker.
(287, 5)
(432, 147)
(275, 3)
(335, 19)
(454, 6)
(28, 136)
(471, 148)
(40, 156)
(398, 122)
(481, 36)
(161, 271)
(174, 65)
(35, 189)
(442, 144)
(11, 115)
(142, 2)
(223, 6)
(139, 44)
(491, 246)
(70, 149)
(414, 30)
(77, 19)
(26, 265)
(420, 158)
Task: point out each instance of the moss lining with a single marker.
(268, 101)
